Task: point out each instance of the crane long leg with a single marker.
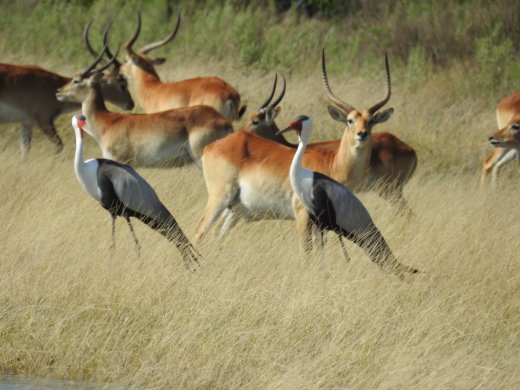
(137, 246)
(343, 249)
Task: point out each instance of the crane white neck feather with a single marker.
(302, 179)
(86, 171)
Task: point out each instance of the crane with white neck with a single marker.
(123, 192)
(332, 207)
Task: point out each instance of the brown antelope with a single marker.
(392, 161)
(508, 110)
(509, 136)
(172, 137)
(28, 96)
(249, 175)
(153, 95)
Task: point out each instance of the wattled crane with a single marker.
(123, 192)
(332, 206)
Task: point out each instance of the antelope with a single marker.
(391, 165)
(249, 175)
(28, 96)
(507, 112)
(508, 137)
(153, 95)
(168, 138)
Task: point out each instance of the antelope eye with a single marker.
(350, 121)
(515, 126)
(255, 122)
(76, 81)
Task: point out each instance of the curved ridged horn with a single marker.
(87, 41)
(114, 60)
(328, 91)
(154, 45)
(90, 68)
(377, 106)
(266, 103)
(277, 101)
(131, 41)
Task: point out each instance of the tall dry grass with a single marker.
(258, 315)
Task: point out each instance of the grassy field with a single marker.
(258, 315)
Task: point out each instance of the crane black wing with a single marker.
(336, 208)
(121, 183)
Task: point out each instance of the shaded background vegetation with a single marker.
(476, 41)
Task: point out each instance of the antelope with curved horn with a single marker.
(28, 96)
(249, 175)
(115, 75)
(508, 111)
(392, 161)
(172, 137)
(262, 122)
(154, 95)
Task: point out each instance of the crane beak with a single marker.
(287, 129)
(293, 126)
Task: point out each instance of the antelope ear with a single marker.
(275, 111)
(242, 110)
(382, 116)
(336, 113)
(94, 79)
(133, 58)
(158, 61)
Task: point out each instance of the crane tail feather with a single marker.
(375, 245)
(170, 229)
(189, 254)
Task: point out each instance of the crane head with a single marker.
(79, 123)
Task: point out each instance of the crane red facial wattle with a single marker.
(81, 123)
(296, 125)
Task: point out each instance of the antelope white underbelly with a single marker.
(264, 201)
(160, 150)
